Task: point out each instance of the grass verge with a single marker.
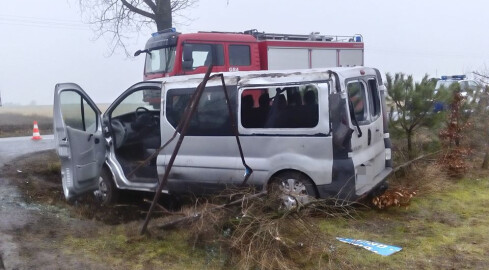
(444, 227)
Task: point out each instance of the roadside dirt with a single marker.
(33, 232)
(38, 220)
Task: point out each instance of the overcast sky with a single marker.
(45, 42)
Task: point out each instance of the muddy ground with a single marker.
(444, 227)
(36, 229)
(45, 229)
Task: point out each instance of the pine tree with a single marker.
(413, 104)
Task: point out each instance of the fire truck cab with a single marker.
(169, 53)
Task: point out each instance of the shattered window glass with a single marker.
(356, 94)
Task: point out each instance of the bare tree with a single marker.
(118, 19)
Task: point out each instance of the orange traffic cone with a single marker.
(35, 132)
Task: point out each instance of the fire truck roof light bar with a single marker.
(168, 30)
(454, 77)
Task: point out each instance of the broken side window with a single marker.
(373, 97)
(212, 115)
(280, 107)
(358, 100)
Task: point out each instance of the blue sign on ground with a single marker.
(381, 249)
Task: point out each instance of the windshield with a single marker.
(443, 83)
(160, 60)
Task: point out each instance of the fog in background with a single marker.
(46, 42)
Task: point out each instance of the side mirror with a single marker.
(138, 52)
(188, 60)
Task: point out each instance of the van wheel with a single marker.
(293, 189)
(107, 192)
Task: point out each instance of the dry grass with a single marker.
(40, 110)
(258, 235)
(444, 227)
(18, 120)
(21, 125)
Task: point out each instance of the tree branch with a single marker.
(151, 5)
(137, 10)
(480, 75)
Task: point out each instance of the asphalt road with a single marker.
(13, 147)
(14, 213)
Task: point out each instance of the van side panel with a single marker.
(208, 159)
(268, 155)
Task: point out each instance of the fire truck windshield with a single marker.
(160, 60)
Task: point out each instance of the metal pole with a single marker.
(186, 121)
(248, 170)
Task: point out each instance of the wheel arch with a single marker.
(282, 171)
(107, 168)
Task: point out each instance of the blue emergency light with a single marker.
(168, 30)
(454, 77)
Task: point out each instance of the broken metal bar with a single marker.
(195, 216)
(248, 170)
(186, 121)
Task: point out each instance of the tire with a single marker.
(107, 194)
(293, 189)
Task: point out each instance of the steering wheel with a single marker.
(144, 119)
(146, 110)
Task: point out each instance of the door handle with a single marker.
(96, 141)
(369, 137)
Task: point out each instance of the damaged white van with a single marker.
(316, 133)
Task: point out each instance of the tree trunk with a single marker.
(485, 163)
(409, 144)
(163, 14)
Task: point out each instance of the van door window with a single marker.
(77, 113)
(212, 115)
(202, 54)
(280, 107)
(373, 97)
(239, 55)
(148, 99)
(358, 100)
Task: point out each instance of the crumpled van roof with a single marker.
(271, 76)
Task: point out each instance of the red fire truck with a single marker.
(169, 53)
